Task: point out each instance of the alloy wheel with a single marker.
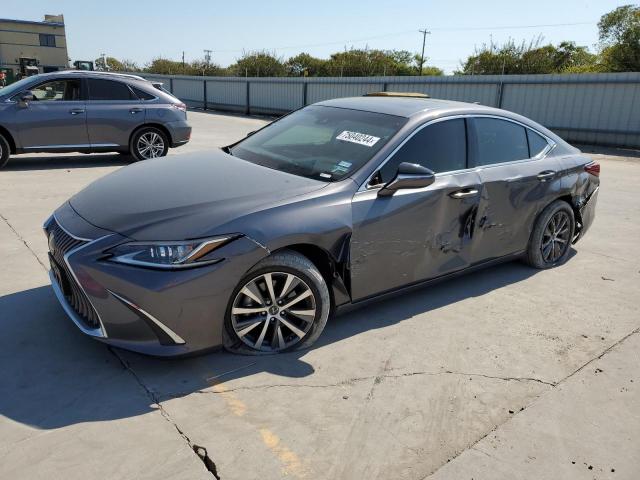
(555, 238)
(273, 311)
(150, 145)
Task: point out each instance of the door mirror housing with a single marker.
(409, 175)
(26, 97)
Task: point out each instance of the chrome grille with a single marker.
(61, 243)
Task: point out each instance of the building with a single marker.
(28, 48)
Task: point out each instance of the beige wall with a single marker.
(22, 40)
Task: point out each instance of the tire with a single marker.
(5, 151)
(151, 137)
(274, 327)
(557, 222)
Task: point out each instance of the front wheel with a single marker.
(551, 237)
(149, 142)
(282, 304)
(4, 151)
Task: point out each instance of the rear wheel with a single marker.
(149, 142)
(282, 304)
(5, 151)
(551, 237)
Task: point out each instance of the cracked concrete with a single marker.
(506, 373)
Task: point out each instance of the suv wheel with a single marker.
(5, 150)
(282, 304)
(149, 142)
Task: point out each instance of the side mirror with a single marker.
(410, 175)
(26, 97)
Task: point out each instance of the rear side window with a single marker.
(500, 141)
(108, 90)
(536, 143)
(142, 95)
(441, 147)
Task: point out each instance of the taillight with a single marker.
(180, 106)
(593, 168)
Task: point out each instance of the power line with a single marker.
(405, 32)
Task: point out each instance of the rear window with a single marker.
(108, 90)
(142, 95)
(536, 143)
(500, 141)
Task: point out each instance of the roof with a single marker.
(91, 73)
(399, 106)
(33, 22)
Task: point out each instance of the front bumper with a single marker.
(156, 312)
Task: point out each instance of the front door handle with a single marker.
(467, 192)
(133, 111)
(76, 111)
(546, 175)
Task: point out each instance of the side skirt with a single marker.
(426, 283)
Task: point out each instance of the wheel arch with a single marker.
(334, 268)
(159, 126)
(7, 135)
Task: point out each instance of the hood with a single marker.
(185, 196)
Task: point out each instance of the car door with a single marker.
(56, 117)
(519, 179)
(421, 233)
(113, 112)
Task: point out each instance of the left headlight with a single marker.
(168, 255)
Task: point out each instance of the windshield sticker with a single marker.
(359, 138)
(342, 167)
(325, 175)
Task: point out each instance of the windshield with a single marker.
(15, 87)
(323, 143)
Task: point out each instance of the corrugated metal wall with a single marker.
(601, 108)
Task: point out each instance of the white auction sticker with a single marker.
(359, 138)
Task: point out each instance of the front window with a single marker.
(324, 143)
(58, 90)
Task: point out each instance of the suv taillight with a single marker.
(180, 106)
(593, 168)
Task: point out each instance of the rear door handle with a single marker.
(546, 175)
(135, 110)
(467, 192)
(76, 111)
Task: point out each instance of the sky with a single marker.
(141, 30)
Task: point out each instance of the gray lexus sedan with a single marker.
(252, 247)
(88, 112)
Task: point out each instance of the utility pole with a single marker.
(424, 40)
(183, 60)
(207, 56)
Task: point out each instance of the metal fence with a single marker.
(600, 109)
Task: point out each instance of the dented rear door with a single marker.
(413, 235)
(514, 192)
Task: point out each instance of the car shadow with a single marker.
(59, 161)
(53, 376)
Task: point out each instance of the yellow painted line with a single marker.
(291, 463)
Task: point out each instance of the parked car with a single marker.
(76, 111)
(254, 246)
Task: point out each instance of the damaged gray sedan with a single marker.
(252, 247)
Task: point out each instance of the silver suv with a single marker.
(74, 111)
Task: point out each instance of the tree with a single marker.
(619, 32)
(511, 58)
(258, 64)
(305, 65)
(113, 64)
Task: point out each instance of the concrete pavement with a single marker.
(504, 373)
